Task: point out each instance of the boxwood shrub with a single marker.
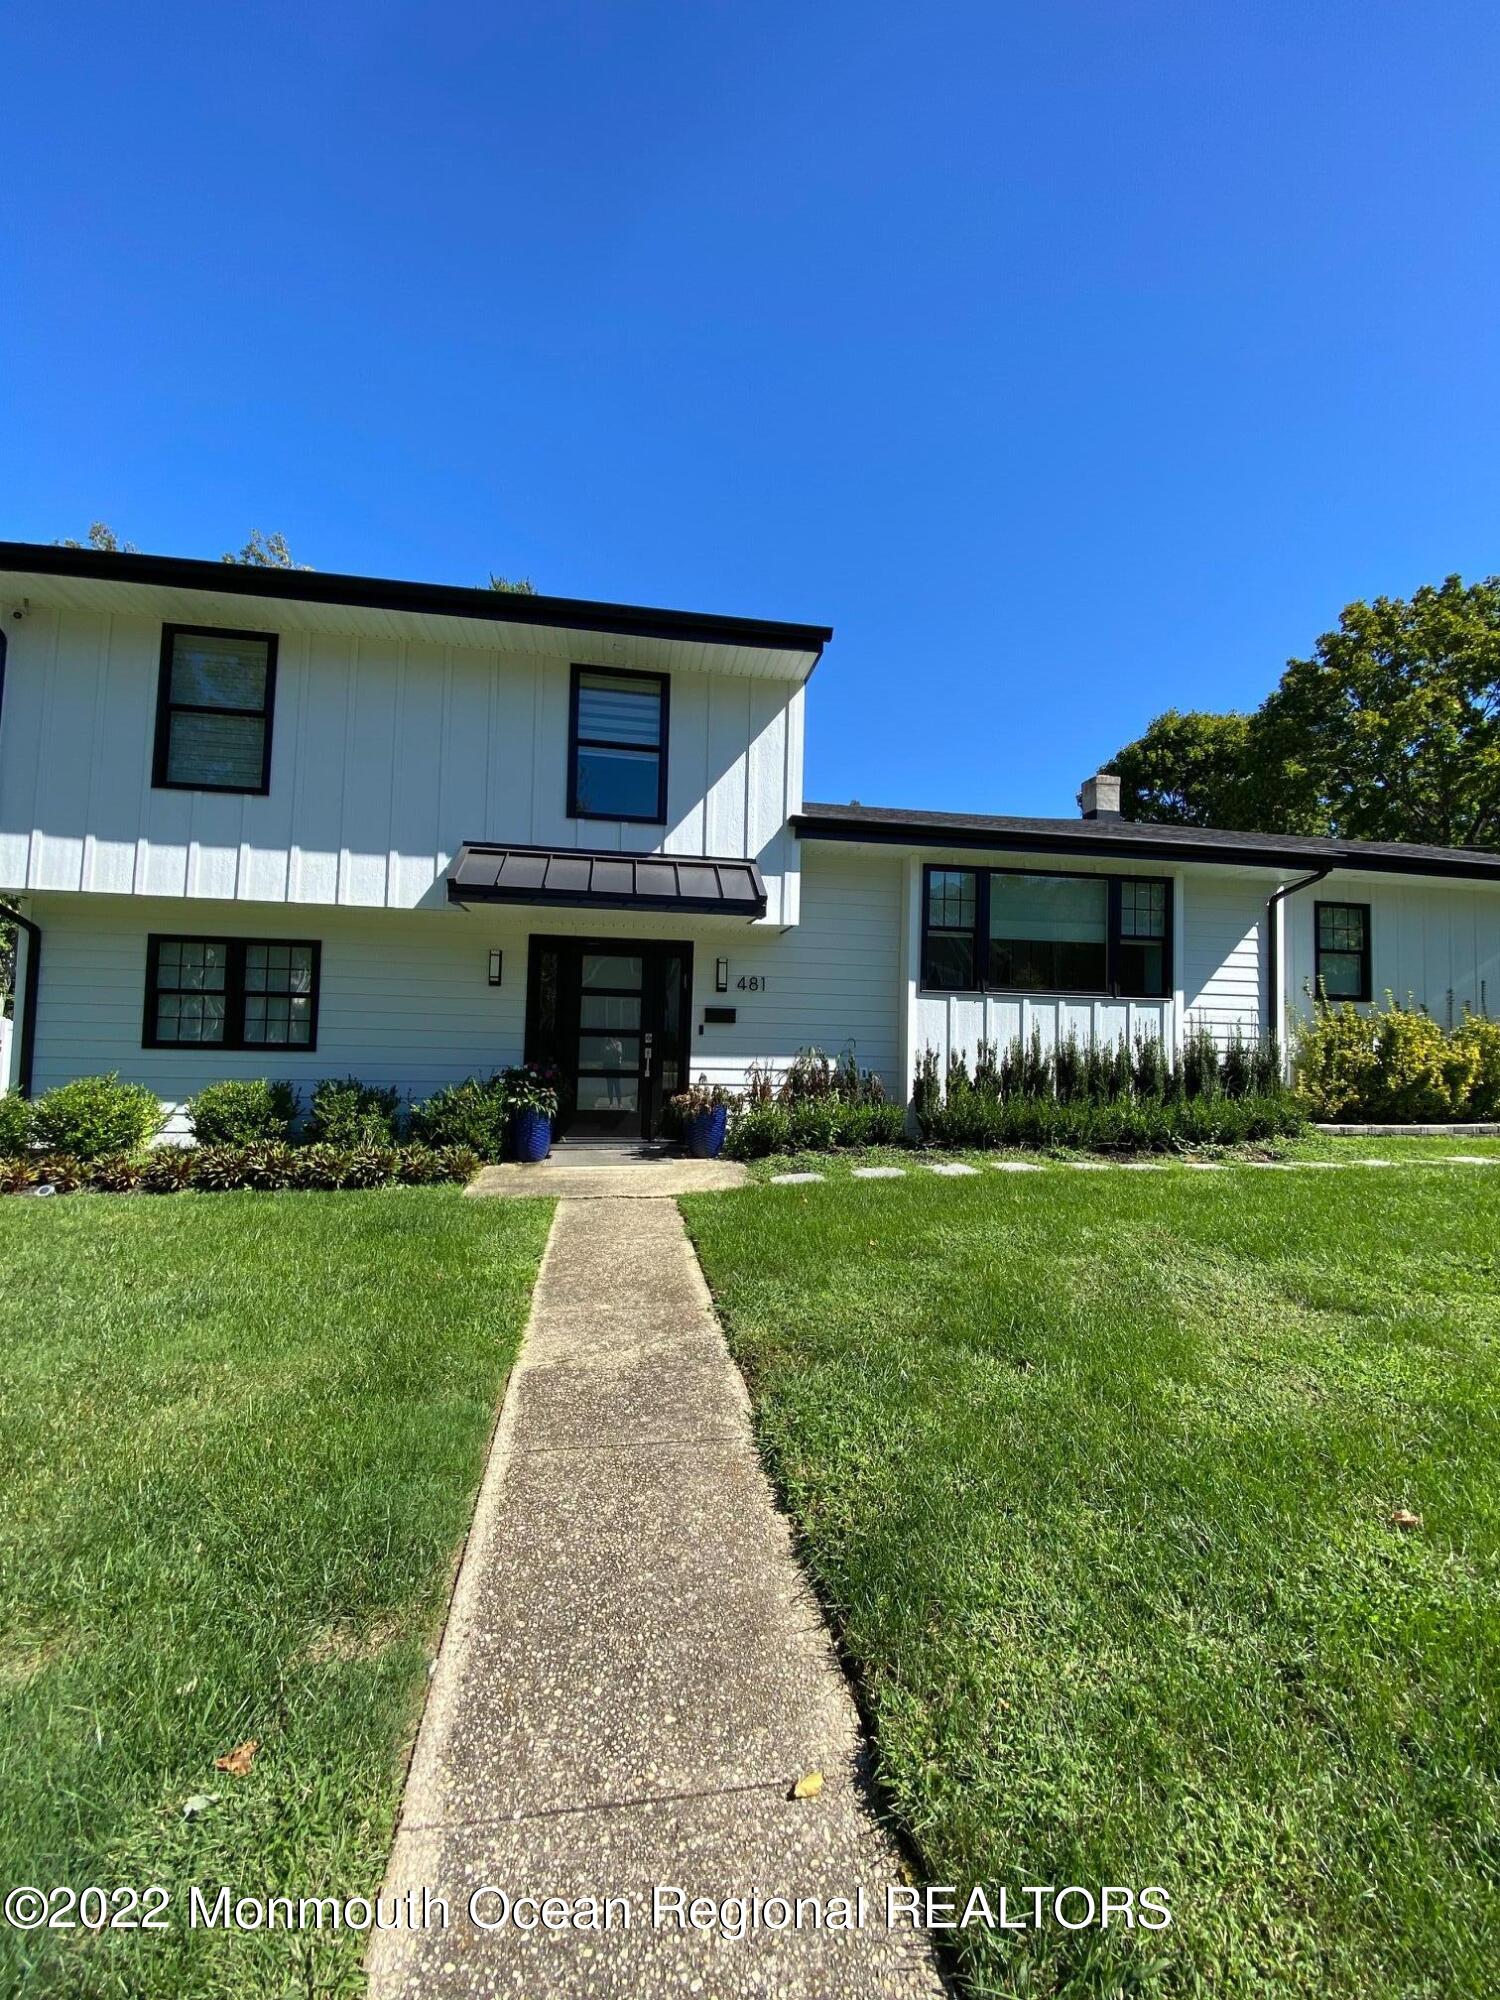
(15, 1126)
(267, 1165)
(345, 1112)
(243, 1111)
(94, 1116)
(473, 1113)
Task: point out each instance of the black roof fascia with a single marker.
(500, 607)
(1212, 845)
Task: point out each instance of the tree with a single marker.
(1390, 731)
(264, 552)
(1188, 770)
(522, 587)
(101, 537)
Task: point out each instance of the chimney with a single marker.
(1100, 797)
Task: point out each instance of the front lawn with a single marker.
(242, 1437)
(1099, 1476)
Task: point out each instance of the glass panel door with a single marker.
(608, 1048)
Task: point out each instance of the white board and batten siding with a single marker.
(1434, 943)
(405, 999)
(387, 755)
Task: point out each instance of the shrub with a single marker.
(318, 1166)
(1114, 1124)
(759, 1129)
(1482, 1039)
(1420, 1072)
(530, 1087)
(345, 1112)
(459, 1163)
(94, 1116)
(15, 1126)
(62, 1172)
(242, 1111)
(1334, 1061)
(369, 1166)
(168, 1171)
(813, 1126)
(121, 1175)
(219, 1169)
(16, 1175)
(472, 1114)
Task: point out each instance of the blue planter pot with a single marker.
(703, 1133)
(530, 1136)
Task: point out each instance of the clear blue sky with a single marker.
(1071, 360)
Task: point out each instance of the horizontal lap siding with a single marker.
(1223, 978)
(405, 998)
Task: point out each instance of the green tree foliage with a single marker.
(1390, 731)
(521, 587)
(264, 552)
(1188, 769)
(101, 537)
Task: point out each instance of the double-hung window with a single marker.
(214, 700)
(1008, 931)
(617, 750)
(231, 993)
(1343, 950)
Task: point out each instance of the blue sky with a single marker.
(1073, 361)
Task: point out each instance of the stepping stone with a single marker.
(794, 1180)
(1016, 1166)
(1472, 1159)
(951, 1167)
(877, 1173)
(1143, 1167)
(1206, 1166)
(1089, 1166)
(1373, 1163)
(1334, 1164)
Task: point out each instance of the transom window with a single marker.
(213, 710)
(617, 752)
(1343, 950)
(231, 993)
(1003, 930)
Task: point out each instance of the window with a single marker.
(948, 945)
(617, 752)
(1049, 933)
(1003, 930)
(213, 710)
(231, 993)
(1343, 950)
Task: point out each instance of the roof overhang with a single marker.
(179, 588)
(574, 878)
(1127, 841)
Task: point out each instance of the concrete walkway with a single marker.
(634, 1672)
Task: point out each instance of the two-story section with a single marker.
(288, 823)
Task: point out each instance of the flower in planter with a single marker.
(530, 1087)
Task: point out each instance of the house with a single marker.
(267, 822)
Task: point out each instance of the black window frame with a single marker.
(1113, 988)
(575, 743)
(1366, 968)
(166, 708)
(234, 992)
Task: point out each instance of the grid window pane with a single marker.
(1342, 974)
(1343, 938)
(1341, 927)
(1143, 909)
(207, 988)
(951, 898)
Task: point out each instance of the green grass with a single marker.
(242, 1437)
(1314, 1146)
(1096, 1473)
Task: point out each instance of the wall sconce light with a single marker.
(721, 975)
(495, 968)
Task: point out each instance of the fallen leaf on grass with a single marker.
(808, 1785)
(1403, 1518)
(239, 1760)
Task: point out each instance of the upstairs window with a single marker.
(1343, 950)
(617, 751)
(231, 993)
(1002, 931)
(213, 710)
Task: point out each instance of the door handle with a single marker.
(647, 1052)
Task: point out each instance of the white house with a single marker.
(287, 823)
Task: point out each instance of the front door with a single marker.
(612, 1016)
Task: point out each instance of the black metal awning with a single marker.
(575, 878)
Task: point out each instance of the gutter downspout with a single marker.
(26, 1016)
(1273, 954)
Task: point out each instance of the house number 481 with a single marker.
(751, 982)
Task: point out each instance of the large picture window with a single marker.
(231, 993)
(617, 749)
(1343, 950)
(1007, 931)
(214, 700)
